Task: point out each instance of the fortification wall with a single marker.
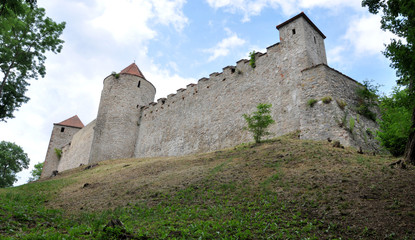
(61, 136)
(208, 115)
(332, 120)
(117, 120)
(78, 150)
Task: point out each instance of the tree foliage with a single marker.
(395, 124)
(398, 16)
(36, 172)
(259, 121)
(26, 34)
(12, 160)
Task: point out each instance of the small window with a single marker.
(293, 31)
(139, 83)
(315, 41)
(62, 129)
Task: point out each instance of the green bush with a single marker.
(311, 102)
(252, 59)
(395, 124)
(259, 121)
(116, 75)
(58, 152)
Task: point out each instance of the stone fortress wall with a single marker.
(207, 116)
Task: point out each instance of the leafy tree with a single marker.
(26, 34)
(395, 124)
(36, 172)
(12, 161)
(259, 121)
(15, 6)
(399, 18)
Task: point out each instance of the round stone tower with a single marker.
(116, 128)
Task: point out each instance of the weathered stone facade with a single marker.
(208, 115)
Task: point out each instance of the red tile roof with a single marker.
(133, 70)
(302, 14)
(72, 122)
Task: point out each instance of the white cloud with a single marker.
(249, 8)
(335, 55)
(128, 21)
(170, 12)
(223, 48)
(365, 36)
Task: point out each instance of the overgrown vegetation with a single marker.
(252, 59)
(395, 123)
(259, 121)
(116, 75)
(58, 152)
(351, 124)
(367, 97)
(311, 102)
(326, 99)
(281, 189)
(341, 103)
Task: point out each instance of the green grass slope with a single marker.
(282, 189)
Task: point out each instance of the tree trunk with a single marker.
(410, 145)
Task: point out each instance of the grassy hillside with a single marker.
(283, 189)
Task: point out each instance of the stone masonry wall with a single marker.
(78, 150)
(58, 140)
(118, 114)
(329, 120)
(208, 116)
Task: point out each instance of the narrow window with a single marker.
(293, 31)
(315, 40)
(62, 129)
(139, 82)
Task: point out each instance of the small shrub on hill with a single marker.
(259, 121)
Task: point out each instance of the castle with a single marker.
(207, 116)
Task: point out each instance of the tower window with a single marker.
(62, 129)
(293, 31)
(315, 41)
(139, 83)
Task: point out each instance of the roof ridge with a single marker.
(302, 14)
(71, 122)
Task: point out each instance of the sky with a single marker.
(174, 43)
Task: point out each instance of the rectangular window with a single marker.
(293, 31)
(139, 83)
(62, 129)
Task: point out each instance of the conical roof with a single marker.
(72, 122)
(133, 70)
